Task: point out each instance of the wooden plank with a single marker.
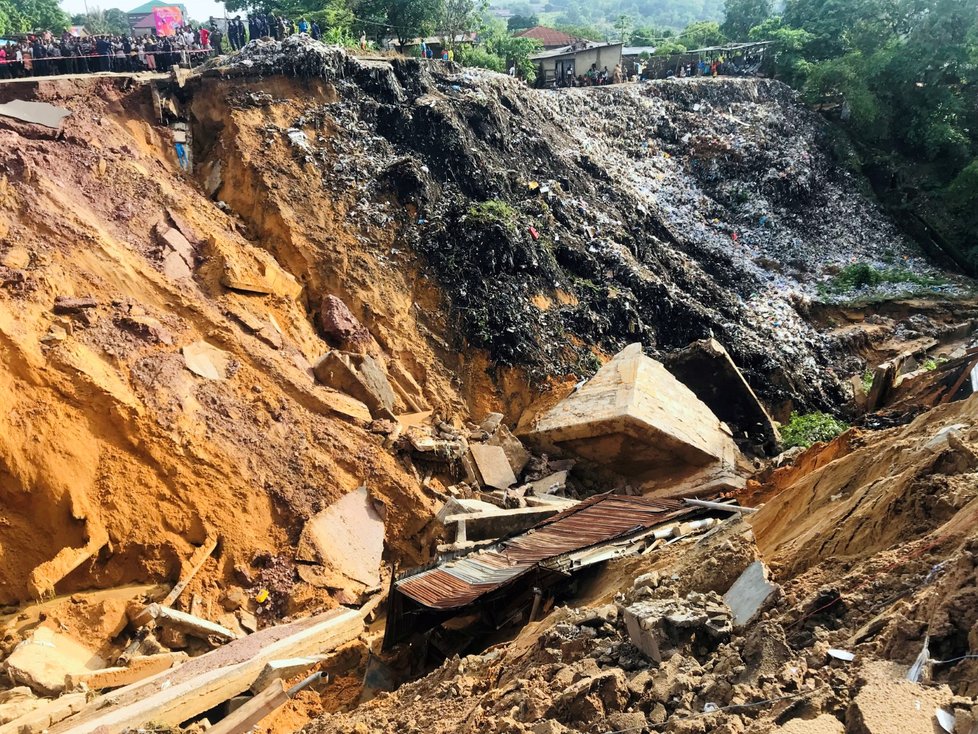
(174, 696)
(249, 714)
(965, 374)
(200, 557)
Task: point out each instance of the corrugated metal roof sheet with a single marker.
(461, 581)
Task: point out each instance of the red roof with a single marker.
(548, 36)
(462, 581)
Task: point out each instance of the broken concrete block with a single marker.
(658, 625)
(206, 361)
(496, 523)
(548, 485)
(749, 593)
(707, 369)
(188, 624)
(178, 253)
(493, 466)
(635, 416)
(17, 702)
(461, 507)
(137, 670)
(44, 659)
(345, 543)
(516, 454)
(360, 376)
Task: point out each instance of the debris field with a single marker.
(356, 395)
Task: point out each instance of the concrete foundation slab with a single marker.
(637, 418)
(345, 541)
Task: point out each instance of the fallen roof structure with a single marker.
(539, 557)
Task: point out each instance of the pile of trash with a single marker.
(663, 213)
(297, 55)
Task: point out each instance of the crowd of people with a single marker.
(593, 77)
(260, 25)
(44, 54)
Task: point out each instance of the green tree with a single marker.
(522, 22)
(701, 35)
(669, 47)
(786, 58)
(40, 15)
(11, 20)
(458, 17)
(410, 19)
(739, 16)
(97, 21)
(648, 36)
(623, 27)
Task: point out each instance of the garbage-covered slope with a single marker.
(559, 224)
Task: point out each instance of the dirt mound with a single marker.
(117, 460)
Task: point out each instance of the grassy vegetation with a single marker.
(863, 275)
(805, 430)
(493, 211)
(868, 376)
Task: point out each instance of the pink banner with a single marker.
(168, 20)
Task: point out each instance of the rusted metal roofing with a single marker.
(601, 519)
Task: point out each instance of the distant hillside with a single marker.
(675, 14)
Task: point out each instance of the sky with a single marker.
(198, 9)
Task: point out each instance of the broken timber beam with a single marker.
(720, 506)
(245, 718)
(188, 623)
(201, 556)
(176, 695)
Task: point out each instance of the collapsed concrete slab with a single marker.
(46, 658)
(659, 625)
(493, 466)
(497, 522)
(707, 369)
(342, 545)
(636, 418)
(360, 376)
(749, 593)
